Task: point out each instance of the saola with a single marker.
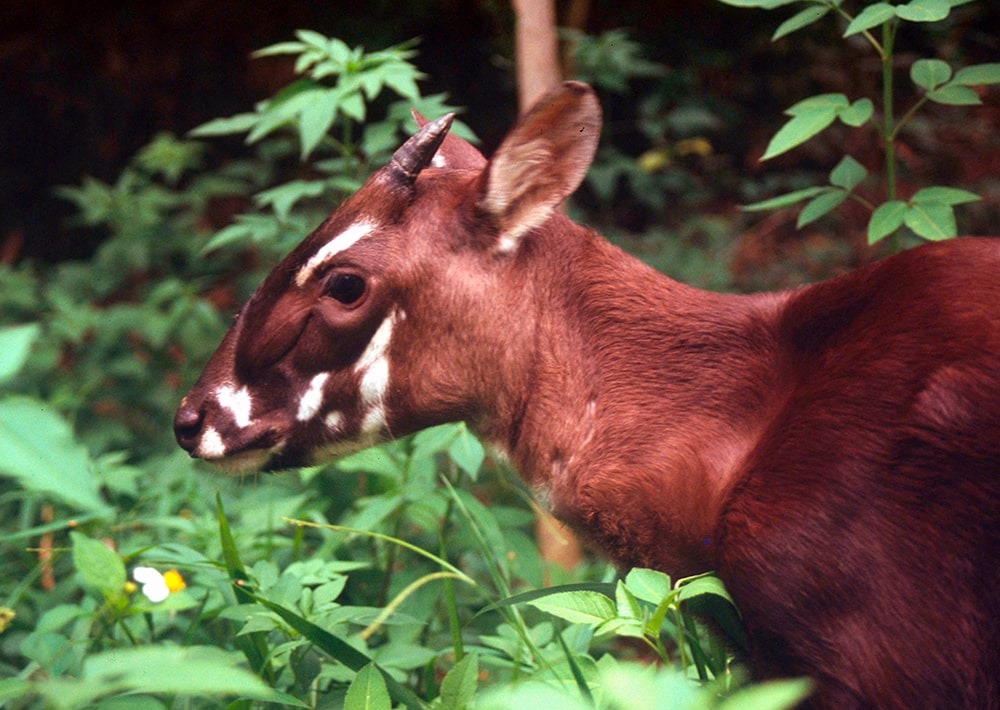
(832, 451)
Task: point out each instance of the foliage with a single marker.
(929, 213)
(403, 575)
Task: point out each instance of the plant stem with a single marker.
(888, 120)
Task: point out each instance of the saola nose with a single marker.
(187, 425)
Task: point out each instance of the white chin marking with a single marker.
(345, 240)
(312, 398)
(211, 446)
(237, 402)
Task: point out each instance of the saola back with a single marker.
(833, 452)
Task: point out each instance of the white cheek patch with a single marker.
(211, 446)
(312, 399)
(237, 402)
(334, 420)
(373, 366)
(343, 241)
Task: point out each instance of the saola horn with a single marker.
(416, 153)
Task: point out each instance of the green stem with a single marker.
(888, 120)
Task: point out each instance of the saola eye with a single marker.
(346, 288)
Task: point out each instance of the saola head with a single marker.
(403, 309)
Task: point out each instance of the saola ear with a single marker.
(541, 161)
(454, 152)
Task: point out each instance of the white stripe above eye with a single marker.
(237, 402)
(312, 398)
(343, 241)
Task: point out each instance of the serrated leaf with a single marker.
(931, 220)
(819, 206)
(577, 607)
(886, 219)
(99, 567)
(978, 74)
(801, 19)
(15, 346)
(353, 106)
(37, 447)
(459, 684)
(240, 123)
(923, 10)
(626, 602)
(784, 200)
(930, 73)
(871, 16)
(313, 39)
(848, 173)
(955, 95)
(648, 584)
(467, 452)
(802, 127)
(857, 113)
(367, 691)
(944, 196)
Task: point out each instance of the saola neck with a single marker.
(636, 405)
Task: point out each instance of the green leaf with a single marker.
(283, 197)
(15, 346)
(955, 95)
(577, 607)
(240, 123)
(315, 120)
(930, 73)
(467, 452)
(801, 19)
(871, 16)
(819, 206)
(367, 691)
(784, 200)
(944, 196)
(923, 10)
(978, 74)
(848, 173)
(648, 584)
(857, 113)
(459, 685)
(931, 220)
(99, 567)
(626, 602)
(885, 220)
(837, 102)
(38, 449)
(804, 125)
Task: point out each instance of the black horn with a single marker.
(416, 153)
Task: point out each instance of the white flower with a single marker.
(155, 586)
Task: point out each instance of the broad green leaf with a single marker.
(944, 196)
(871, 16)
(931, 220)
(38, 449)
(857, 113)
(923, 10)
(577, 607)
(240, 123)
(848, 173)
(820, 101)
(819, 206)
(955, 95)
(885, 220)
(648, 584)
(283, 197)
(279, 48)
(772, 695)
(352, 105)
(15, 346)
(784, 200)
(459, 684)
(803, 126)
(801, 19)
(626, 602)
(978, 74)
(467, 452)
(316, 119)
(99, 567)
(930, 73)
(367, 691)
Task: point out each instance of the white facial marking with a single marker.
(237, 401)
(374, 420)
(312, 398)
(373, 365)
(345, 240)
(334, 420)
(211, 446)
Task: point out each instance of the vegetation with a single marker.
(403, 575)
